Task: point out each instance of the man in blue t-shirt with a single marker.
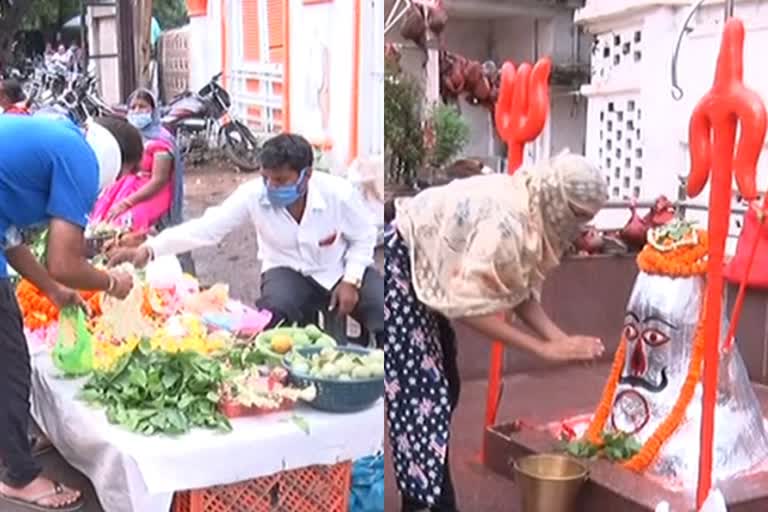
(51, 172)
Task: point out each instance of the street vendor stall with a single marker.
(131, 472)
(176, 399)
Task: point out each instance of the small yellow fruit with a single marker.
(281, 343)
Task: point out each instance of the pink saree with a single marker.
(144, 215)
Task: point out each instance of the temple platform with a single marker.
(564, 394)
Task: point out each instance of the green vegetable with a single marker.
(335, 364)
(325, 341)
(153, 392)
(301, 339)
(313, 332)
(616, 447)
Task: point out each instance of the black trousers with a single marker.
(293, 297)
(15, 374)
(447, 501)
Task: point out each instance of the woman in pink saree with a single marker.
(151, 193)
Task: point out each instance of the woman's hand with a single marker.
(572, 348)
(118, 209)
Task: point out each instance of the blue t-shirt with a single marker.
(47, 170)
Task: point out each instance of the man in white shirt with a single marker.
(316, 238)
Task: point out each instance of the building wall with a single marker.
(641, 79)
(102, 40)
(516, 39)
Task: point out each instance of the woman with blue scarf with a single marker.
(154, 193)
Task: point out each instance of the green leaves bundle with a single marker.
(153, 392)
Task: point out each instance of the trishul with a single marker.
(522, 107)
(712, 137)
(520, 114)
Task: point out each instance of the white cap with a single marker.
(107, 152)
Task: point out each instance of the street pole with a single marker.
(143, 42)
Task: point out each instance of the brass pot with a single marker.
(549, 483)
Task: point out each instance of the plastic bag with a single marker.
(73, 352)
(367, 485)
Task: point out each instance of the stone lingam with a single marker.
(654, 390)
(652, 396)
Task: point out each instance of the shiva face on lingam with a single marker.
(654, 391)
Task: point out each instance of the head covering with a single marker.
(156, 131)
(558, 189)
(484, 244)
(107, 152)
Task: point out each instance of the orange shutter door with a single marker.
(276, 35)
(251, 49)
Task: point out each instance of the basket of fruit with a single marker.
(346, 379)
(275, 343)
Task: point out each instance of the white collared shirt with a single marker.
(335, 239)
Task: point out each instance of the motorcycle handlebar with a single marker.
(217, 77)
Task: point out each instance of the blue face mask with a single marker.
(286, 195)
(140, 120)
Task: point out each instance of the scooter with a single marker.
(203, 125)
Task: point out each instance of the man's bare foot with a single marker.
(43, 494)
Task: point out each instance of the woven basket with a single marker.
(334, 395)
(311, 489)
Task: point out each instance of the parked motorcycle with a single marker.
(203, 124)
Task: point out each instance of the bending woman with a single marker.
(471, 251)
(154, 192)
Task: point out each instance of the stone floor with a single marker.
(478, 489)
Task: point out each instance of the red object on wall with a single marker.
(753, 232)
(712, 135)
(523, 106)
(197, 7)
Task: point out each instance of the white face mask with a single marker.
(140, 120)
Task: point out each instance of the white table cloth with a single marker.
(134, 473)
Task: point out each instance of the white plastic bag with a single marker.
(164, 272)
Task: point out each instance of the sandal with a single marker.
(40, 445)
(33, 503)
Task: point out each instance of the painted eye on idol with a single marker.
(630, 332)
(654, 337)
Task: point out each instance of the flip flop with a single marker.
(33, 503)
(40, 445)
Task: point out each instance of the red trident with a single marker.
(520, 114)
(712, 135)
(522, 107)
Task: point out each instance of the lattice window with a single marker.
(620, 149)
(616, 53)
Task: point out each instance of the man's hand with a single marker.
(138, 257)
(123, 284)
(63, 297)
(572, 348)
(344, 298)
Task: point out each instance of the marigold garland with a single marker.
(686, 261)
(37, 309)
(595, 431)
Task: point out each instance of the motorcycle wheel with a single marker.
(240, 146)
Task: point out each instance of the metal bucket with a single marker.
(549, 483)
